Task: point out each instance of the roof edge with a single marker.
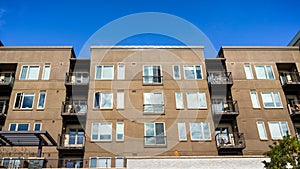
(295, 39)
(147, 47)
(260, 47)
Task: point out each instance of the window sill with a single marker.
(102, 109)
(204, 140)
(273, 107)
(154, 113)
(264, 139)
(197, 108)
(152, 84)
(155, 146)
(29, 109)
(102, 141)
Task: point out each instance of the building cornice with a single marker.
(265, 48)
(147, 47)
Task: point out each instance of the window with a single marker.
(271, 99)
(196, 100)
(104, 72)
(42, 99)
(254, 99)
(176, 72)
(279, 129)
(46, 72)
(264, 72)
(179, 100)
(101, 131)
(120, 131)
(153, 102)
(37, 127)
(11, 162)
(24, 101)
(119, 162)
(155, 134)
(261, 130)
(18, 127)
(200, 131)
(192, 72)
(30, 73)
(182, 132)
(152, 74)
(120, 99)
(100, 162)
(248, 72)
(121, 72)
(103, 100)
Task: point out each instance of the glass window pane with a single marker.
(46, 73)
(27, 101)
(149, 131)
(33, 73)
(104, 163)
(270, 72)
(37, 126)
(41, 102)
(285, 128)
(121, 72)
(182, 131)
(18, 100)
(93, 162)
(189, 72)
(12, 127)
(120, 99)
(23, 127)
(206, 131)
(119, 162)
(95, 131)
(198, 72)
(24, 72)
(120, 131)
(105, 131)
(195, 131)
(159, 129)
(106, 101)
(277, 99)
(176, 72)
(261, 130)
(254, 99)
(108, 72)
(202, 100)
(260, 72)
(179, 100)
(97, 100)
(192, 100)
(98, 72)
(248, 72)
(275, 130)
(267, 99)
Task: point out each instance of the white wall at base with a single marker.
(197, 163)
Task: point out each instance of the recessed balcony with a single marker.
(224, 109)
(7, 79)
(294, 109)
(232, 143)
(3, 110)
(77, 78)
(219, 78)
(290, 80)
(71, 141)
(74, 108)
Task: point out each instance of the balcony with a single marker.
(224, 109)
(232, 143)
(155, 141)
(290, 80)
(3, 110)
(152, 80)
(7, 79)
(294, 109)
(71, 141)
(77, 78)
(219, 78)
(74, 108)
(154, 108)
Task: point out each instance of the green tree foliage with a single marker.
(283, 152)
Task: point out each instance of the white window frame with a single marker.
(199, 106)
(179, 72)
(161, 104)
(97, 162)
(100, 100)
(265, 71)
(273, 99)
(195, 72)
(41, 124)
(155, 135)
(249, 75)
(17, 125)
(41, 108)
(120, 99)
(264, 130)
(116, 166)
(152, 82)
(253, 96)
(99, 132)
(12, 165)
(281, 129)
(179, 103)
(44, 77)
(20, 106)
(101, 78)
(179, 125)
(202, 132)
(121, 72)
(120, 130)
(28, 70)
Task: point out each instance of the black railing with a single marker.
(71, 141)
(230, 140)
(294, 107)
(219, 77)
(77, 78)
(7, 78)
(152, 79)
(290, 78)
(224, 107)
(154, 108)
(74, 107)
(3, 107)
(155, 140)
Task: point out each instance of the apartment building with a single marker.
(146, 106)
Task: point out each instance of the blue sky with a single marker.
(225, 23)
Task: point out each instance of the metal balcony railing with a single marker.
(3, 107)
(152, 80)
(71, 141)
(224, 107)
(154, 108)
(219, 77)
(230, 140)
(77, 78)
(155, 140)
(74, 107)
(7, 78)
(290, 78)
